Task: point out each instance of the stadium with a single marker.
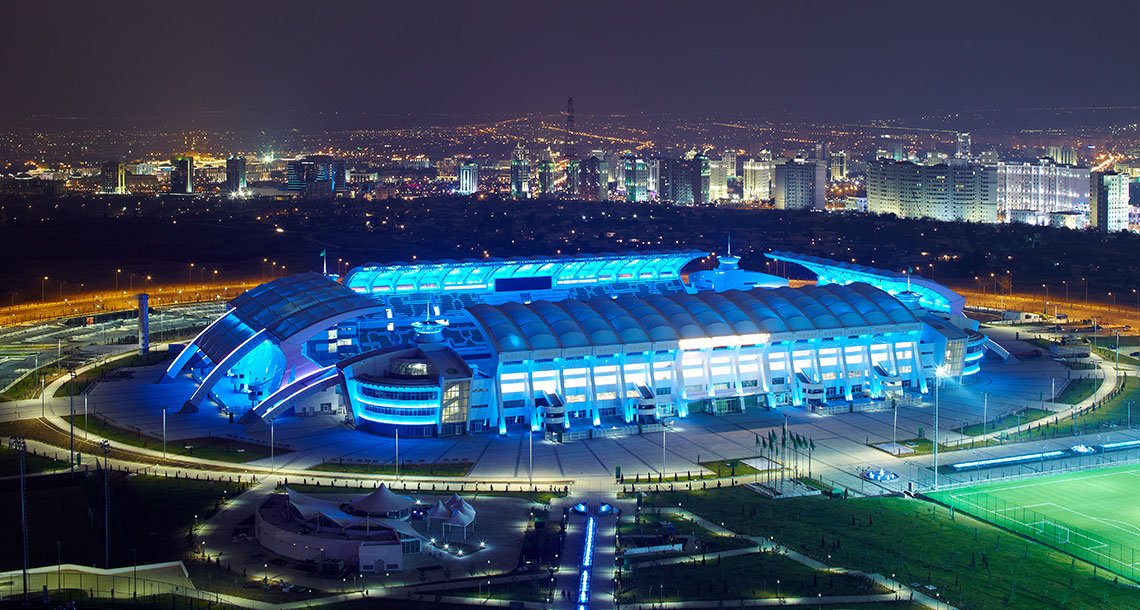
(573, 345)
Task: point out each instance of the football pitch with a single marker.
(1092, 514)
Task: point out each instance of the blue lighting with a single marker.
(1006, 461)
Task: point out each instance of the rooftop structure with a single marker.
(933, 296)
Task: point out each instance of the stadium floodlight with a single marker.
(939, 374)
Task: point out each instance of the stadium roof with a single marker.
(932, 295)
(480, 274)
(288, 305)
(604, 322)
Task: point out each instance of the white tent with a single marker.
(382, 502)
(459, 519)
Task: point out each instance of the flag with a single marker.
(784, 442)
(322, 253)
(757, 438)
(811, 444)
(764, 443)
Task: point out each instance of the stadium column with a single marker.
(815, 345)
(681, 397)
(499, 401)
(622, 400)
(892, 356)
(874, 384)
(650, 362)
(706, 363)
(842, 362)
(736, 375)
(916, 366)
(793, 379)
(765, 369)
(591, 390)
(531, 407)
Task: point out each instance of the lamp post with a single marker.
(71, 410)
(106, 447)
(43, 289)
(939, 372)
(19, 445)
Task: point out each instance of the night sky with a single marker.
(286, 63)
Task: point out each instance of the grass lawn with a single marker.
(1092, 514)
(530, 590)
(1008, 421)
(86, 378)
(220, 579)
(738, 577)
(920, 543)
(729, 468)
(653, 524)
(441, 469)
(10, 463)
(1078, 389)
(149, 514)
(1110, 356)
(210, 448)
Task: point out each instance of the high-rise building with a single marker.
(546, 178)
(468, 177)
(113, 179)
(1040, 186)
(654, 167)
(701, 179)
(718, 180)
(899, 151)
(635, 179)
(182, 175)
(317, 176)
(1062, 155)
(592, 179)
(520, 174)
(800, 184)
(730, 166)
(1108, 203)
(235, 175)
(838, 165)
(758, 180)
(675, 181)
(962, 150)
(955, 191)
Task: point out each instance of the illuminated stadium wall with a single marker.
(567, 343)
(604, 361)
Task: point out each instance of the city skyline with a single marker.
(208, 68)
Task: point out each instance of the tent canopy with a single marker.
(382, 501)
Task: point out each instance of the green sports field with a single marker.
(1093, 514)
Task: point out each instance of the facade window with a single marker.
(750, 383)
(779, 380)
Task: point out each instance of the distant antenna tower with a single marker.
(571, 154)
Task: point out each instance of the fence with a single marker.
(1113, 556)
(128, 590)
(923, 478)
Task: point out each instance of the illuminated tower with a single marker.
(182, 175)
(570, 153)
(546, 178)
(520, 174)
(1108, 201)
(114, 178)
(963, 149)
(235, 175)
(468, 177)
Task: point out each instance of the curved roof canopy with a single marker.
(475, 275)
(288, 305)
(674, 317)
(932, 295)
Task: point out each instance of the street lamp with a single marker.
(939, 373)
(19, 445)
(43, 289)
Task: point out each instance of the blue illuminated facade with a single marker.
(572, 343)
(934, 296)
